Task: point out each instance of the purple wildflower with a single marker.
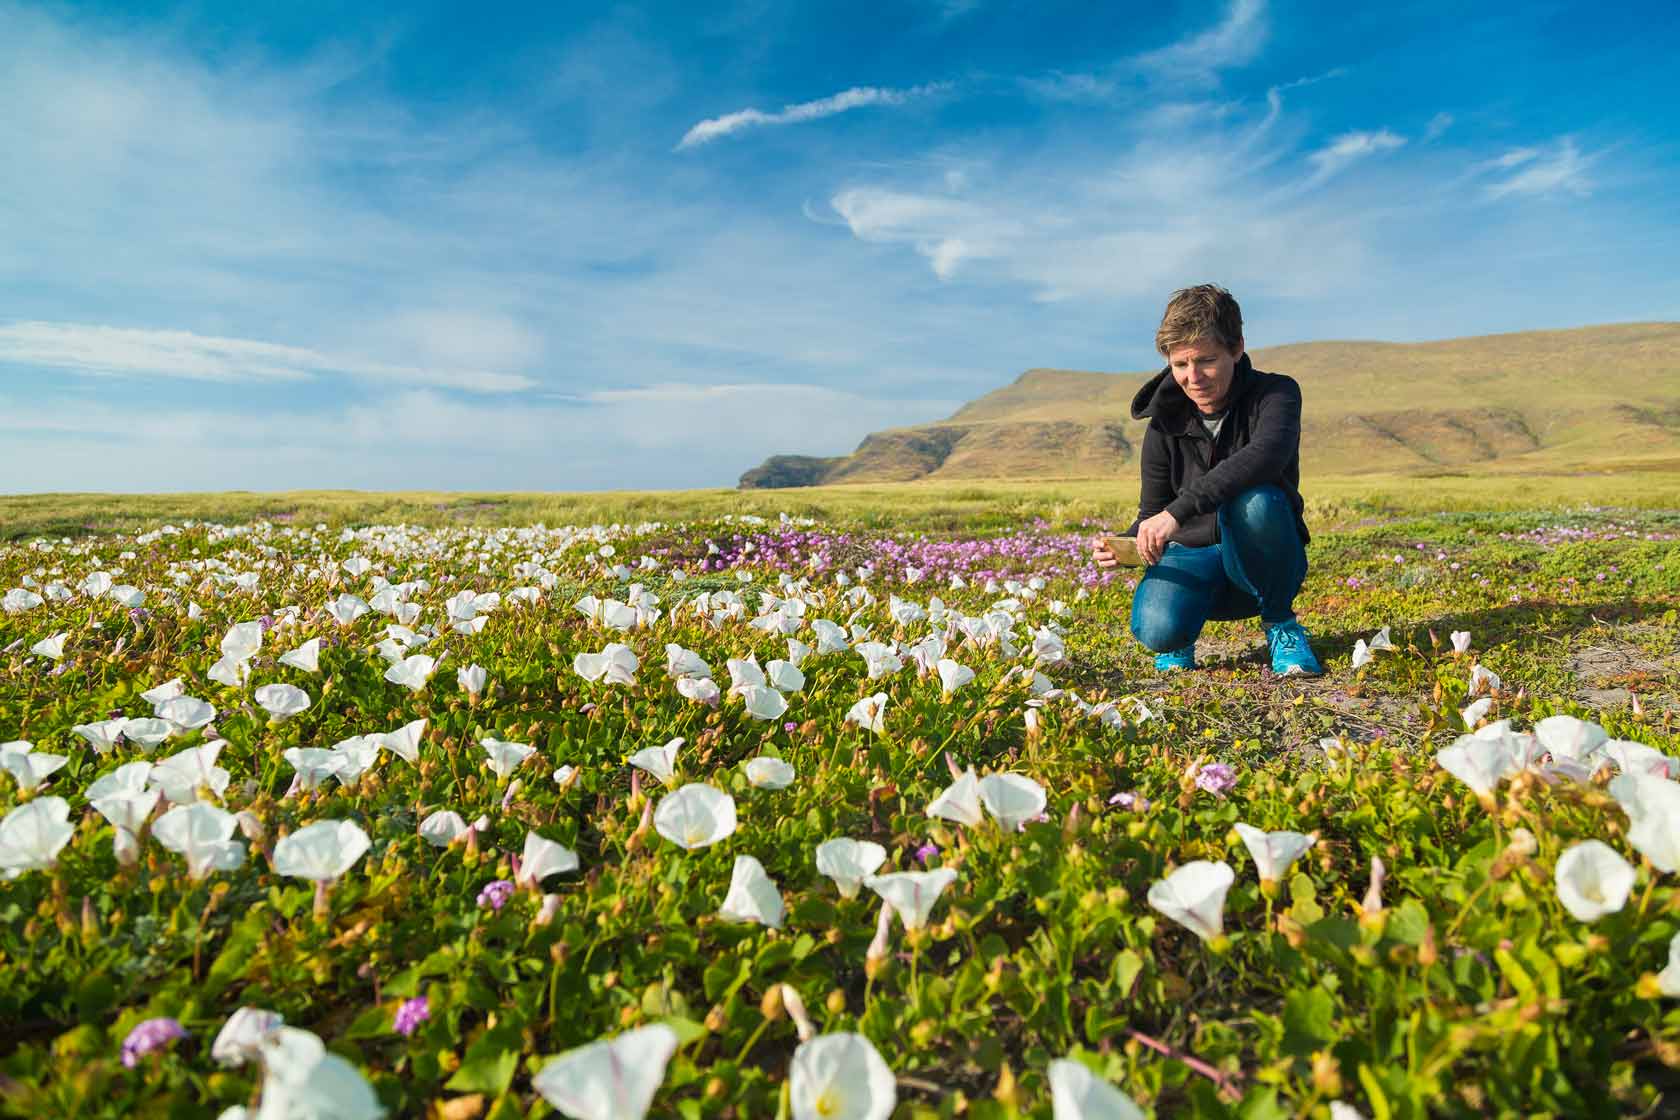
(495, 893)
(147, 1036)
(410, 1015)
(926, 852)
(790, 725)
(1217, 778)
(1130, 800)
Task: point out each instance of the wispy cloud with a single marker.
(1233, 41)
(1438, 124)
(1197, 195)
(955, 9)
(1074, 87)
(1350, 148)
(1563, 169)
(1236, 39)
(97, 350)
(858, 97)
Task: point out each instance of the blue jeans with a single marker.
(1256, 569)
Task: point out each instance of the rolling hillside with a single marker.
(1578, 399)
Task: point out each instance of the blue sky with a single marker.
(453, 246)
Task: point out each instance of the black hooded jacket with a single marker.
(1190, 475)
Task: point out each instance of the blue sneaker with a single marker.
(1291, 655)
(1176, 659)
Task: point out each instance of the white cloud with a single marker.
(1193, 197)
(1076, 87)
(658, 436)
(1350, 148)
(1516, 157)
(946, 231)
(1563, 169)
(857, 97)
(955, 9)
(1233, 41)
(105, 351)
(1438, 124)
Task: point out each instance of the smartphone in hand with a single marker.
(1125, 551)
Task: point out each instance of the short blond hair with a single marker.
(1205, 312)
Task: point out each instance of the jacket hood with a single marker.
(1161, 396)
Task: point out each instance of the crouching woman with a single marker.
(1219, 522)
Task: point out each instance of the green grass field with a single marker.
(904, 505)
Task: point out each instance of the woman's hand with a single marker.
(1101, 555)
(1153, 535)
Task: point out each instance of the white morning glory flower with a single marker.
(840, 1077)
(504, 758)
(413, 671)
(1194, 896)
(1078, 1094)
(404, 742)
(695, 816)
(960, 801)
(615, 664)
(765, 772)
(1273, 852)
(541, 858)
(952, 676)
(471, 679)
(202, 834)
(849, 862)
(867, 713)
(609, 1079)
(282, 701)
(306, 657)
(1014, 799)
(912, 894)
(752, 896)
(763, 702)
(32, 835)
(661, 762)
(1592, 880)
(441, 828)
(321, 851)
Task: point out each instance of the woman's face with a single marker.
(1204, 370)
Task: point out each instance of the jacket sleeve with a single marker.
(1274, 439)
(1156, 467)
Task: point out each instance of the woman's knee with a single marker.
(1158, 630)
(1258, 508)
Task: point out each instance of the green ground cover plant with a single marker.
(407, 822)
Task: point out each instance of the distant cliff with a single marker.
(1554, 398)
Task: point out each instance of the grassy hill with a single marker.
(1565, 400)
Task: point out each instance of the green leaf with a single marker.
(1308, 1021)
(1408, 922)
(1127, 965)
(372, 1023)
(1380, 1109)
(1261, 1103)
(725, 976)
(687, 1030)
(489, 1064)
(236, 951)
